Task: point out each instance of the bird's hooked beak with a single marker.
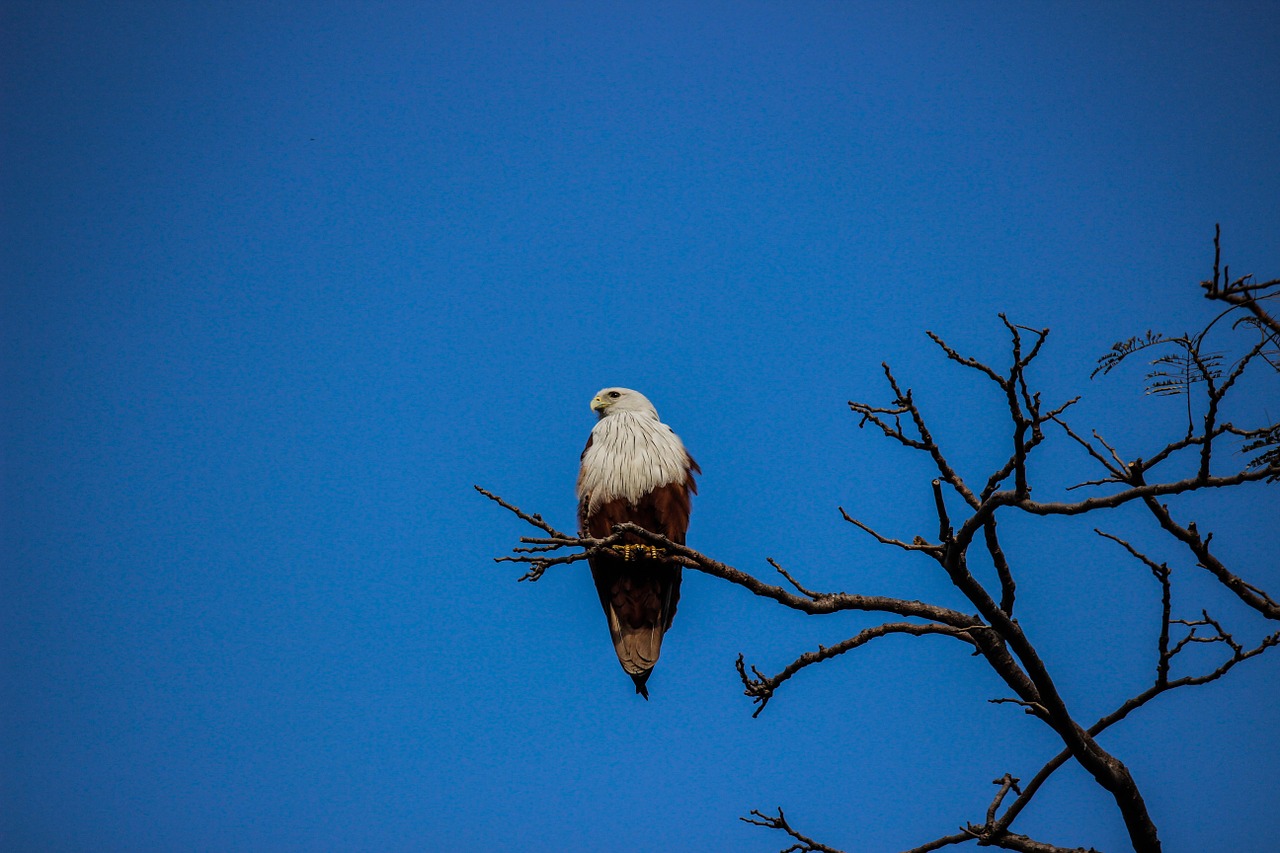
(599, 404)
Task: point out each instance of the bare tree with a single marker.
(1184, 365)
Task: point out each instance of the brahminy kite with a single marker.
(635, 469)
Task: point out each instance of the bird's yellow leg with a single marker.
(636, 552)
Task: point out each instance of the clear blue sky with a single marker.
(281, 280)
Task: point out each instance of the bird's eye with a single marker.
(614, 394)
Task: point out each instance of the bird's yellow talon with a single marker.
(636, 552)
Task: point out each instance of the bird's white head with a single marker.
(611, 400)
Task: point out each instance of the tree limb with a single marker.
(761, 688)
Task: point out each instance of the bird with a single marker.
(635, 468)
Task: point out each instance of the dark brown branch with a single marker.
(1007, 783)
(1216, 395)
(1190, 484)
(906, 405)
(1116, 470)
(1249, 594)
(1161, 572)
(811, 602)
(1023, 447)
(902, 405)
(988, 836)
(1247, 297)
(761, 688)
(944, 841)
(1110, 449)
(1008, 588)
(804, 844)
(1033, 708)
(538, 565)
(814, 595)
(944, 523)
(1132, 473)
(1192, 440)
(534, 519)
(1106, 769)
(1238, 370)
(967, 362)
(1016, 381)
(919, 544)
(1023, 844)
(1241, 292)
(1220, 635)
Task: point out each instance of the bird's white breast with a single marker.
(631, 454)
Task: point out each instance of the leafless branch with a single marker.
(1241, 292)
(1177, 487)
(810, 602)
(1116, 470)
(944, 841)
(1007, 783)
(917, 544)
(804, 844)
(761, 688)
(810, 593)
(1008, 588)
(1249, 594)
(944, 522)
(1033, 708)
(1161, 572)
(967, 362)
(988, 835)
(534, 519)
(904, 404)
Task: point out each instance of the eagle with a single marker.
(634, 468)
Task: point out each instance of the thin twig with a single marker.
(804, 844)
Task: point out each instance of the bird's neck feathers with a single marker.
(631, 454)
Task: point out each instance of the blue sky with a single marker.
(282, 280)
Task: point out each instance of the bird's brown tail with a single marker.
(640, 606)
(638, 647)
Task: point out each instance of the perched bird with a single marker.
(635, 469)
